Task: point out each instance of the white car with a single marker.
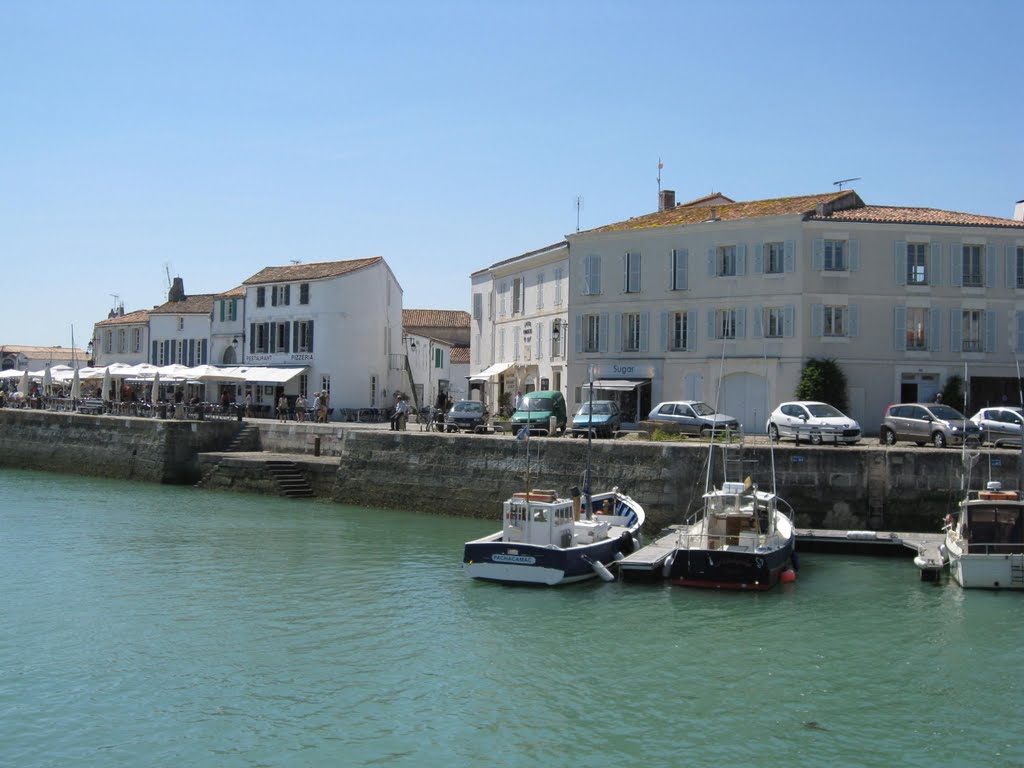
(812, 422)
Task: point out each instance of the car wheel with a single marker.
(939, 440)
(773, 433)
(888, 437)
(816, 438)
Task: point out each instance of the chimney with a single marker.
(1018, 211)
(666, 199)
(177, 292)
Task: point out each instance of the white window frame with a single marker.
(136, 339)
(774, 322)
(631, 334)
(1020, 266)
(558, 286)
(774, 258)
(631, 273)
(725, 323)
(973, 256)
(917, 327)
(591, 333)
(834, 321)
(725, 261)
(972, 336)
(917, 263)
(540, 290)
(835, 255)
(678, 327)
(591, 275)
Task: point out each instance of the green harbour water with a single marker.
(149, 625)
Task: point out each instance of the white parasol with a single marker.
(155, 392)
(104, 393)
(23, 387)
(76, 386)
(47, 381)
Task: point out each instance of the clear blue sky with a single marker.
(222, 137)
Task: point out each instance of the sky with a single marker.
(208, 140)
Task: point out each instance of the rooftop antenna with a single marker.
(295, 261)
(844, 181)
(167, 275)
(660, 166)
(117, 299)
(579, 207)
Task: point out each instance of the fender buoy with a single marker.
(788, 576)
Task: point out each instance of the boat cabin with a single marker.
(992, 523)
(737, 516)
(541, 518)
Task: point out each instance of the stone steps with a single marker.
(289, 479)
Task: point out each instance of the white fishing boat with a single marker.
(984, 541)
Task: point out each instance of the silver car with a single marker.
(812, 421)
(1000, 425)
(924, 423)
(693, 417)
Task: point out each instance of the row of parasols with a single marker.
(64, 375)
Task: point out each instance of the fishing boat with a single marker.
(548, 540)
(984, 541)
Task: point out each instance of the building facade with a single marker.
(725, 302)
(434, 342)
(121, 338)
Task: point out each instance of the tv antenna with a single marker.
(295, 261)
(660, 166)
(167, 275)
(117, 299)
(579, 207)
(844, 181)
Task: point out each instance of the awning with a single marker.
(616, 385)
(494, 370)
(267, 375)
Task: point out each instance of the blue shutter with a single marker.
(990, 328)
(685, 267)
(617, 322)
(272, 333)
(854, 248)
(287, 295)
(711, 324)
(853, 326)
(789, 256)
(741, 259)
(1011, 267)
(935, 335)
(788, 318)
(1020, 332)
(191, 352)
(603, 332)
(758, 315)
(712, 272)
(956, 264)
(990, 265)
(818, 259)
(956, 323)
(741, 323)
(758, 258)
(586, 276)
(222, 303)
(252, 338)
(935, 264)
(900, 259)
(273, 295)
(691, 330)
(645, 323)
(579, 333)
(900, 329)
(817, 319)
(680, 269)
(309, 335)
(287, 336)
(625, 273)
(664, 331)
(156, 352)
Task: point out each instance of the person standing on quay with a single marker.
(282, 407)
(322, 415)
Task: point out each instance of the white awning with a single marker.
(494, 370)
(615, 385)
(266, 375)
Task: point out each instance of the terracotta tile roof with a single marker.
(199, 304)
(138, 316)
(40, 352)
(459, 355)
(892, 214)
(239, 291)
(714, 197)
(503, 262)
(435, 318)
(318, 271)
(694, 214)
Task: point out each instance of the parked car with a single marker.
(537, 408)
(1000, 425)
(923, 423)
(693, 417)
(602, 416)
(465, 414)
(812, 421)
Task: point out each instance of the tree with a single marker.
(823, 379)
(953, 392)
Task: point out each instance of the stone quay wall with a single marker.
(155, 450)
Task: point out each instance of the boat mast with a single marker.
(590, 434)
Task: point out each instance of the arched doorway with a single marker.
(230, 358)
(745, 397)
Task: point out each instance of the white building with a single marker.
(337, 325)
(18, 357)
(121, 338)
(726, 301)
(518, 339)
(436, 343)
(227, 327)
(179, 329)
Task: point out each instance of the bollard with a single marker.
(239, 412)
(316, 446)
(552, 425)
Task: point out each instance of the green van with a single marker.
(536, 410)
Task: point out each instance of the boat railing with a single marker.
(743, 541)
(974, 548)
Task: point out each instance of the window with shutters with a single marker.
(680, 268)
(774, 258)
(677, 331)
(122, 340)
(502, 290)
(917, 263)
(478, 307)
(281, 295)
(972, 326)
(303, 336)
(631, 332)
(136, 339)
(835, 255)
(592, 275)
(558, 286)
(591, 333)
(281, 337)
(725, 324)
(540, 290)
(304, 293)
(161, 356)
(725, 261)
(261, 296)
(834, 321)
(517, 296)
(774, 322)
(972, 270)
(181, 323)
(917, 328)
(261, 343)
(631, 278)
(1020, 266)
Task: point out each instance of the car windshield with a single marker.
(824, 411)
(536, 404)
(599, 408)
(475, 407)
(945, 413)
(702, 409)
